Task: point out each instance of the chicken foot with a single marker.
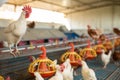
(11, 52)
(105, 65)
(16, 50)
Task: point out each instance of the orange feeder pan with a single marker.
(43, 65)
(98, 48)
(73, 56)
(88, 53)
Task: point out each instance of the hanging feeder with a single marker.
(88, 53)
(73, 56)
(98, 48)
(108, 45)
(42, 65)
(1, 78)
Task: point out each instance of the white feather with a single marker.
(68, 71)
(87, 73)
(58, 75)
(106, 58)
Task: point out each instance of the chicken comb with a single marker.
(27, 8)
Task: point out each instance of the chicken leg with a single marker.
(104, 66)
(16, 48)
(9, 45)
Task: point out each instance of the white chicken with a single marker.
(38, 76)
(87, 73)
(58, 75)
(15, 31)
(106, 57)
(68, 71)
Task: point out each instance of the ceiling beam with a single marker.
(21, 3)
(80, 1)
(91, 3)
(53, 4)
(88, 8)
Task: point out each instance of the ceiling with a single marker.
(65, 6)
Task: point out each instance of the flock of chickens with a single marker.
(15, 31)
(66, 72)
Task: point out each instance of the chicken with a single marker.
(94, 33)
(58, 75)
(116, 31)
(68, 71)
(87, 73)
(15, 31)
(31, 58)
(8, 78)
(116, 55)
(106, 57)
(31, 24)
(38, 76)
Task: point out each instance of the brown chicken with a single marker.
(116, 31)
(31, 24)
(92, 32)
(95, 33)
(116, 54)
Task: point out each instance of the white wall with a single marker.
(5, 23)
(99, 17)
(116, 21)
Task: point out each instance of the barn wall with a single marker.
(116, 21)
(5, 23)
(105, 18)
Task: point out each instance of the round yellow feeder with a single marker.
(98, 48)
(42, 65)
(73, 56)
(1, 78)
(88, 53)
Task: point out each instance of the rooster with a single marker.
(87, 73)
(15, 31)
(116, 57)
(106, 57)
(95, 33)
